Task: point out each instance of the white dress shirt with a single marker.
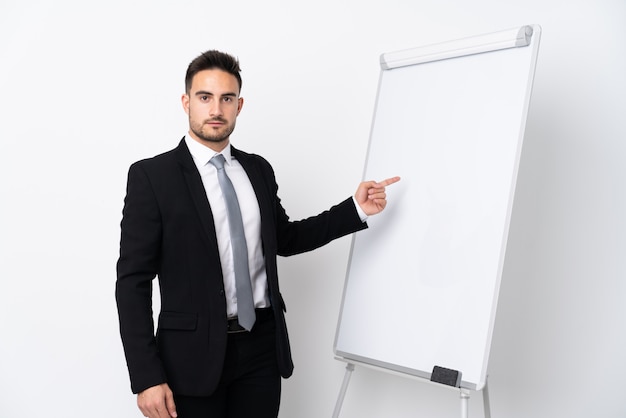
(251, 217)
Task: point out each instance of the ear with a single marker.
(239, 105)
(185, 101)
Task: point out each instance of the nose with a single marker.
(216, 108)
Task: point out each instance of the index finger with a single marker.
(390, 180)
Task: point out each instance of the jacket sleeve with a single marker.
(138, 264)
(296, 237)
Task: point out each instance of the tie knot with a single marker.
(218, 161)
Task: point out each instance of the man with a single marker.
(206, 360)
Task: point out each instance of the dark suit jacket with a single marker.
(167, 230)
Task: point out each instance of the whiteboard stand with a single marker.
(464, 393)
(486, 402)
(344, 387)
(450, 120)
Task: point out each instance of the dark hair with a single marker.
(212, 60)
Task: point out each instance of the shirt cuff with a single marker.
(362, 214)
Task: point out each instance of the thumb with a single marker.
(170, 405)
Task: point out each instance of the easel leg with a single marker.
(344, 387)
(486, 404)
(465, 403)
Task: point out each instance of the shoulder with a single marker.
(160, 161)
(252, 160)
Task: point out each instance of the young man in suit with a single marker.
(205, 361)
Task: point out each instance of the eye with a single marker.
(204, 98)
(228, 99)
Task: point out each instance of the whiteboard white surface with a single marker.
(422, 284)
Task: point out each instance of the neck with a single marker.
(216, 146)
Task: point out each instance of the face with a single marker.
(212, 105)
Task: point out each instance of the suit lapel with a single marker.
(197, 192)
(258, 179)
(263, 184)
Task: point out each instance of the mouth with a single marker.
(215, 122)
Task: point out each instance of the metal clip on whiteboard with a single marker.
(511, 38)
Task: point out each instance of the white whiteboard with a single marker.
(423, 281)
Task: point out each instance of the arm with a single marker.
(137, 266)
(342, 219)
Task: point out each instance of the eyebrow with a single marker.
(208, 93)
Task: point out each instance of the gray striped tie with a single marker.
(245, 302)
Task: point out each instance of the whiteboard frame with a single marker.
(524, 36)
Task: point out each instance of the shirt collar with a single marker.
(201, 154)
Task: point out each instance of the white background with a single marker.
(87, 88)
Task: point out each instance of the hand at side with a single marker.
(157, 402)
